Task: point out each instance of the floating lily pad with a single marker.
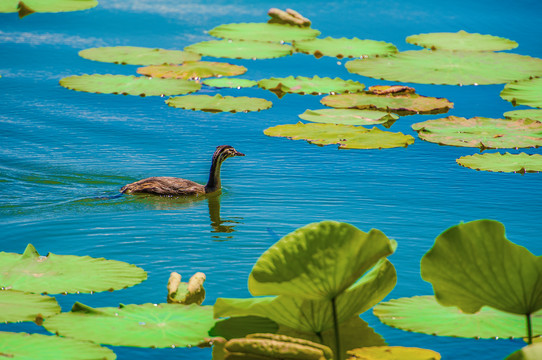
(529, 352)
(27, 7)
(192, 70)
(527, 92)
(392, 353)
(147, 325)
(423, 314)
(263, 32)
(344, 47)
(305, 85)
(461, 40)
(401, 103)
(519, 163)
(219, 103)
(240, 49)
(533, 114)
(134, 55)
(129, 85)
(449, 67)
(21, 306)
(483, 133)
(348, 116)
(35, 346)
(230, 83)
(55, 274)
(346, 136)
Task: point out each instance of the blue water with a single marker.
(61, 149)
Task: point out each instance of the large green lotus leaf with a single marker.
(449, 67)
(230, 83)
(533, 114)
(146, 325)
(462, 41)
(348, 116)
(55, 274)
(192, 70)
(20, 306)
(423, 314)
(219, 103)
(406, 103)
(473, 264)
(344, 47)
(529, 352)
(527, 92)
(347, 136)
(263, 32)
(392, 353)
(241, 326)
(129, 85)
(305, 85)
(135, 55)
(24, 346)
(50, 6)
(240, 49)
(483, 133)
(519, 163)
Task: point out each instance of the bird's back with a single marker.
(164, 185)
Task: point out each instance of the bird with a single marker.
(172, 186)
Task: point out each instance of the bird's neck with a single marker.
(213, 184)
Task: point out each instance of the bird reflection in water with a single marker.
(218, 224)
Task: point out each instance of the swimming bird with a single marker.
(172, 186)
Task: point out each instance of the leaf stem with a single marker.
(336, 328)
(529, 329)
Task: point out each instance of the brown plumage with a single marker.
(171, 186)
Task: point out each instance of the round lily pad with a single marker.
(527, 92)
(483, 133)
(21, 306)
(27, 7)
(134, 55)
(519, 163)
(348, 116)
(240, 49)
(392, 353)
(346, 136)
(230, 83)
(36, 346)
(263, 32)
(305, 85)
(55, 274)
(529, 352)
(129, 85)
(449, 67)
(533, 114)
(219, 103)
(344, 47)
(461, 40)
(147, 325)
(192, 70)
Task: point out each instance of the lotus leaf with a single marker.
(129, 85)
(21, 306)
(230, 83)
(449, 67)
(289, 16)
(390, 89)
(147, 325)
(240, 49)
(344, 47)
(219, 103)
(188, 293)
(304, 85)
(192, 70)
(259, 31)
(423, 314)
(520, 163)
(483, 133)
(529, 352)
(533, 114)
(402, 103)
(392, 353)
(35, 346)
(241, 326)
(134, 55)
(27, 7)
(347, 136)
(348, 116)
(528, 92)
(462, 41)
(55, 274)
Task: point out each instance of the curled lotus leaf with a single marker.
(188, 293)
(305, 85)
(240, 49)
(519, 163)
(392, 353)
(146, 325)
(20, 306)
(263, 31)
(529, 352)
(346, 136)
(348, 116)
(241, 326)
(55, 274)
(423, 314)
(43, 347)
(479, 132)
(462, 41)
(528, 92)
(289, 16)
(533, 114)
(192, 70)
(449, 67)
(28, 7)
(129, 85)
(230, 83)
(135, 55)
(219, 103)
(344, 48)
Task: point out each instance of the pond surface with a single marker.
(62, 149)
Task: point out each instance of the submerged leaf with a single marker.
(240, 49)
(135, 55)
(528, 92)
(519, 163)
(461, 40)
(392, 353)
(263, 32)
(192, 70)
(348, 116)
(314, 86)
(344, 47)
(219, 103)
(20, 306)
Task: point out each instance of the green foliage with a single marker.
(240, 49)
(529, 352)
(348, 116)
(343, 47)
(392, 353)
(28, 7)
(527, 92)
(266, 31)
(304, 85)
(135, 55)
(219, 103)
(462, 41)
(192, 70)
(230, 83)
(20, 306)
(519, 163)
(533, 114)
